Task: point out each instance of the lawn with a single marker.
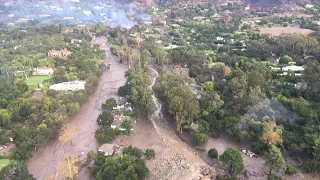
(34, 80)
(4, 163)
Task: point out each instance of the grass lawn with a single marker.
(34, 80)
(4, 163)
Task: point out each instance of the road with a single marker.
(46, 162)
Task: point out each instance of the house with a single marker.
(293, 68)
(109, 149)
(76, 41)
(309, 6)
(68, 31)
(62, 53)
(118, 120)
(69, 86)
(43, 71)
(220, 38)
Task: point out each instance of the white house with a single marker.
(220, 38)
(69, 86)
(309, 6)
(43, 71)
(293, 68)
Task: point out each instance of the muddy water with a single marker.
(46, 162)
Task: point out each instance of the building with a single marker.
(109, 149)
(76, 41)
(62, 53)
(293, 68)
(69, 86)
(43, 71)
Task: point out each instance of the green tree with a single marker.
(311, 76)
(16, 171)
(106, 134)
(285, 60)
(128, 125)
(149, 153)
(208, 86)
(213, 153)
(200, 138)
(5, 118)
(110, 103)
(275, 160)
(122, 166)
(232, 161)
(181, 101)
(105, 119)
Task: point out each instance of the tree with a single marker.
(132, 151)
(16, 171)
(121, 167)
(110, 103)
(275, 160)
(213, 153)
(127, 124)
(105, 119)
(311, 76)
(5, 118)
(68, 167)
(272, 134)
(200, 138)
(232, 161)
(290, 169)
(285, 60)
(106, 134)
(149, 153)
(181, 101)
(208, 86)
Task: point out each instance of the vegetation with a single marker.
(15, 171)
(232, 161)
(149, 154)
(290, 169)
(213, 153)
(34, 121)
(200, 138)
(275, 161)
(110, 103)
(128, 164)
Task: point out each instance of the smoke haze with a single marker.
(70, 13)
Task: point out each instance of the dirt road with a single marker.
(46, 162)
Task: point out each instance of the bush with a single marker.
(213, 153)
(149, 153)
(290, 169)
(200, 138)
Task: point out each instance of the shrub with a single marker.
(213, 153)
(290, 169)
(200, 138)
(149, 153)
